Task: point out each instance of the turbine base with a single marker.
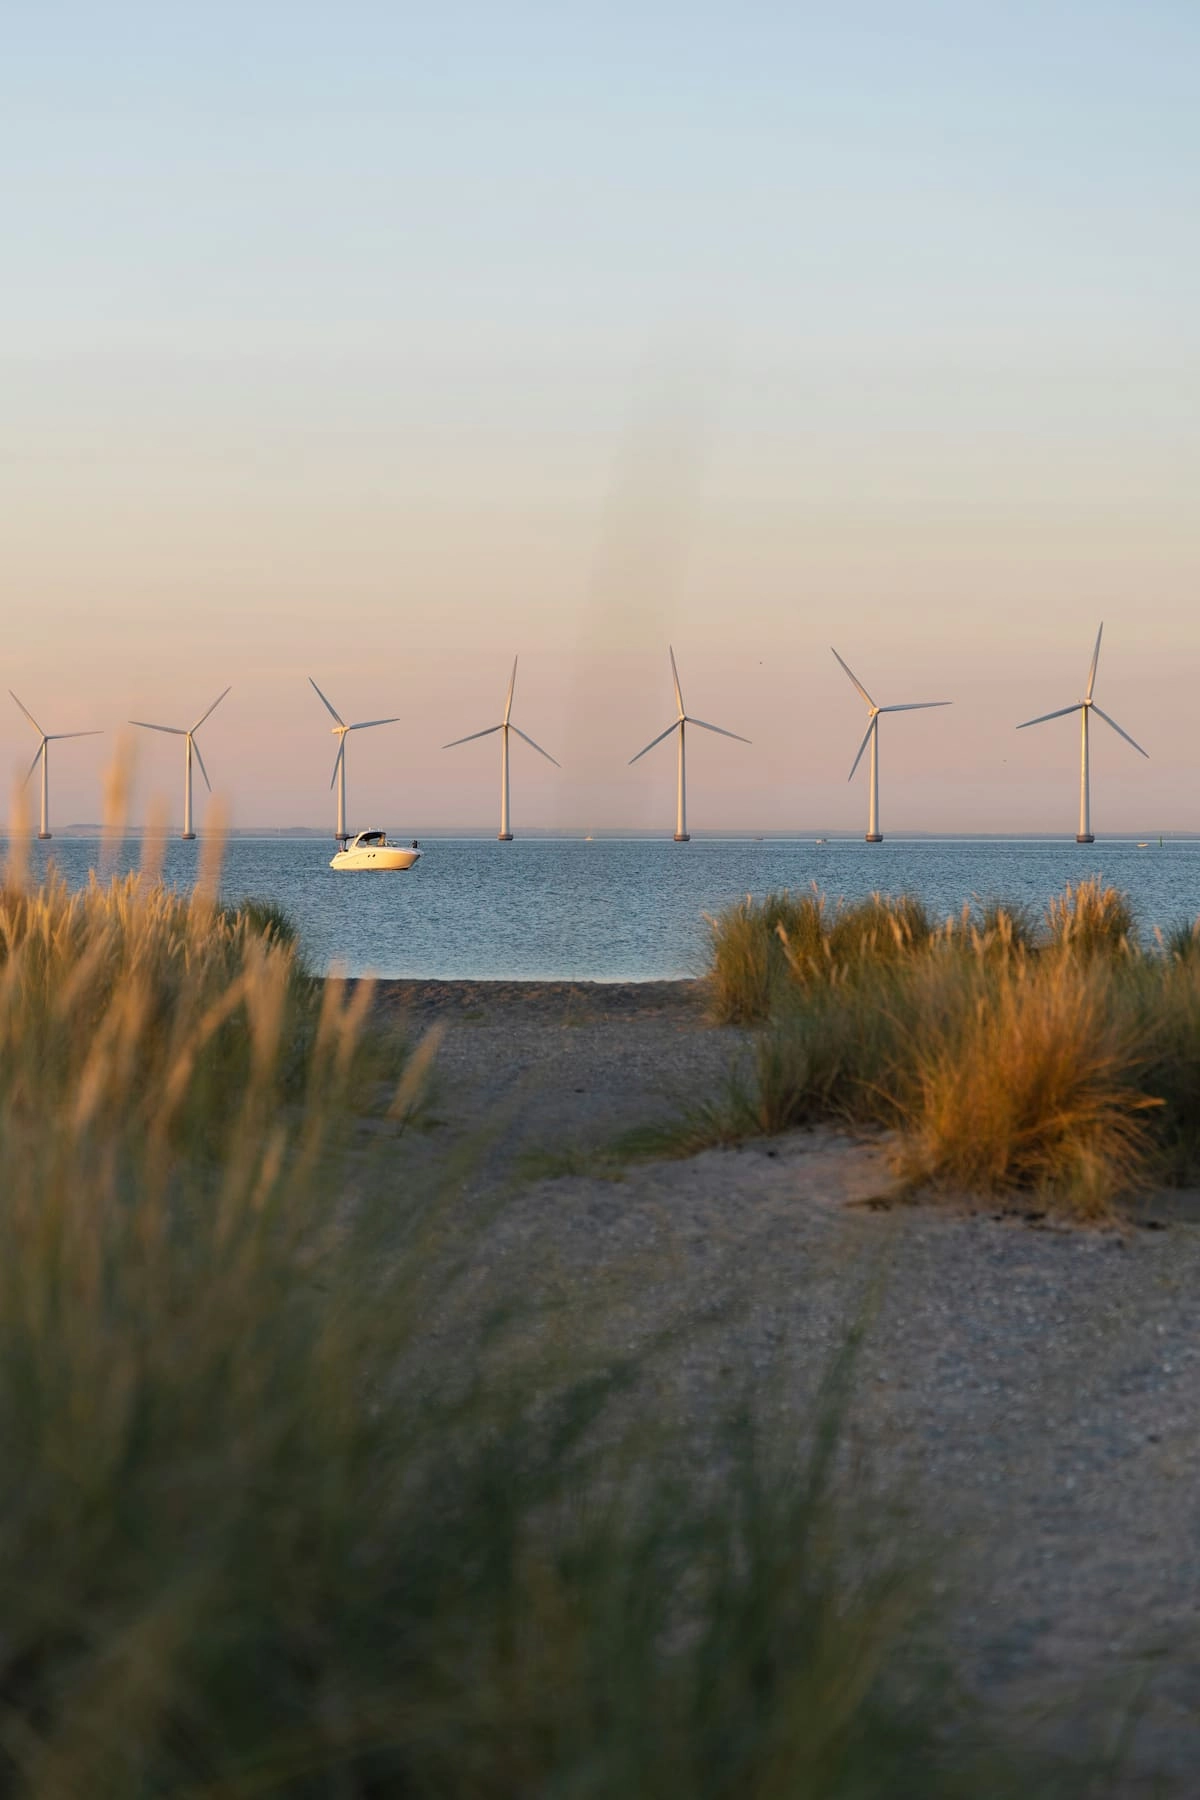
(873, 837)
(44, 836)
(683, 837)
(1084, 837)
(187, 837)
(504, 837)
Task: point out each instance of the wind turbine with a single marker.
(680, 725)
(504, 836)
(43, 756)
(341, 730)
(190, 748)
(1084, 707)
(875, 713)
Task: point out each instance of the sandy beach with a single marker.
(1029, 1390)
(559, 1069)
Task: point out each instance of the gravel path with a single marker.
(1033, 1393)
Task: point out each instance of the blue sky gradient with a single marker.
(382, 342)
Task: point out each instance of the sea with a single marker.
(617, 909)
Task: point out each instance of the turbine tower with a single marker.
(43, 756)
(504, 836)
(1084, 707)
(680, 724)
(341, 730)
(190, 748)
(875, 713)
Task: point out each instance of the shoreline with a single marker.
(681, 1001)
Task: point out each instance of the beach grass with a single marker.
(1089, 919)
(1007, 1056)
(1031, 1082)
(288, 1506)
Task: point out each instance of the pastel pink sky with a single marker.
(800, 334)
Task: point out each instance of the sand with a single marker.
(1031, 1391)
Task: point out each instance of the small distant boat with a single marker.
(820, 840)
(1144, 846)
(371, 850)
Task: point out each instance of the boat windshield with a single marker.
(370, 837)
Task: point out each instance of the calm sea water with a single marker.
(625, 910)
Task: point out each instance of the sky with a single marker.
(382, 343)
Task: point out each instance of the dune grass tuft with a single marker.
(751, 945)
(1003, 927)
(760, 949)
(265, 919)
(1088, 919)
(879, 929)
(1181, 941)
(1065, 1060)
(1032, 1085)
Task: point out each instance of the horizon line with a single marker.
(86, 831)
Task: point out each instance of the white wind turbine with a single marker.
(875, 713)
(341, 731)
(680, 725)
(190, 749)
(1084, 707)
(504, 836)
(43, 756)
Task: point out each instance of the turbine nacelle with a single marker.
(1087, 704)
(340, 728)
(191, 747)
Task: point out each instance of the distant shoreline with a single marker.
(830, 838)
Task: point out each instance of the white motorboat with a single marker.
(371, 850)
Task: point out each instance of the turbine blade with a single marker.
(212, 709)
(37, 759)
(536, 747)
(200, 759)
(338, 759)
(366, 724)
(471, 736)
(1060, 714)
(863, 745)
(512, 682)
(325, 702)
(673, 726)
(719, 729)
(28, 715)
(174, 730)
(1092, 671)
(1119, 732)
(55, 737)
(854, 678)
(675, 679)
(916, 706)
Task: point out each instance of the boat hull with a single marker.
(380, 857)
